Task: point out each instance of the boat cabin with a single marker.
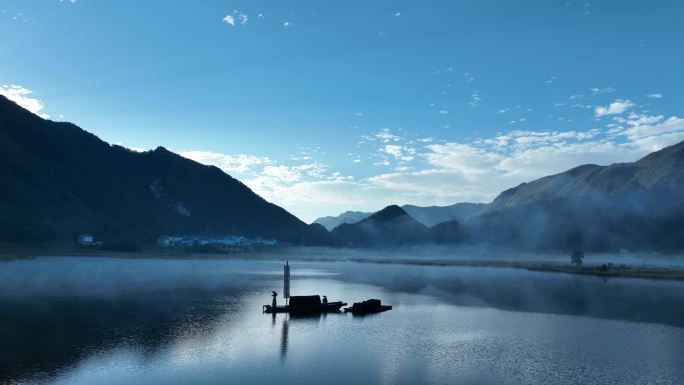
(305, 302)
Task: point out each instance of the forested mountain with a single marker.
(57, 180)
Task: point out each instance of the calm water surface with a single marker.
(137, 321)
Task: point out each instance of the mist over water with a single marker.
(105, 320)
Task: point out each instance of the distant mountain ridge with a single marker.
(432, 215)
(429, 215)
(330, 222)
(625, 206)
(57, 180)
(389, 227)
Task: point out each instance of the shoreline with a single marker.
(396, 257)
(598, 270)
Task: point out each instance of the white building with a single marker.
(86, 239)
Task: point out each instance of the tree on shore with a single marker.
(576, 257)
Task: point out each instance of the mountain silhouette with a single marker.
(57, 181)
(427, 215)
(389, 227)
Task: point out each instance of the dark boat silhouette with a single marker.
(368, 306)
(305, 304)
(301, 303)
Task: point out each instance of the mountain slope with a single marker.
(57, 181)
(654, 179)
(637, 206)
(389, 227)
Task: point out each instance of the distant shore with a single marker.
(601, 270)
(397, 257)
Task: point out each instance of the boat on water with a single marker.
(301, 303)
(306, 304)
(368, 306)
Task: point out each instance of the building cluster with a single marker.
(228, 241)
(88, 240)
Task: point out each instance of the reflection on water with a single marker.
(103, 321)
(283, 339)
(522, 290)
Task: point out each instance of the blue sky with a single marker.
(323, 107)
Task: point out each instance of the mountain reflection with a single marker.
(628, 299)
(49, 333)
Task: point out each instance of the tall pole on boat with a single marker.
(286, 281)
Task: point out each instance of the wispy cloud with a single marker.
(475, 99)
(236, 17)
(445, 172)
(386, 135)
(615, 108)
(402, 153)
(229, 163)
(22, 96)
(599, 90)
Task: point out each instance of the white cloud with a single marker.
(386, 135)
(448, 172)
(470, 172)
(281, 173)
(393, 150)
(651, 133)
(230, 20)
(461, 157)
(21, 96)
(402, 153)
(655, 96)
(615, 108)
(236, 17)
(599, 91)
(229, 163)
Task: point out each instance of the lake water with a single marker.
(154, 321)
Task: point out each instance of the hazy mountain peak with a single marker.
(330, 222)
(662, 171)
(387, 214)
